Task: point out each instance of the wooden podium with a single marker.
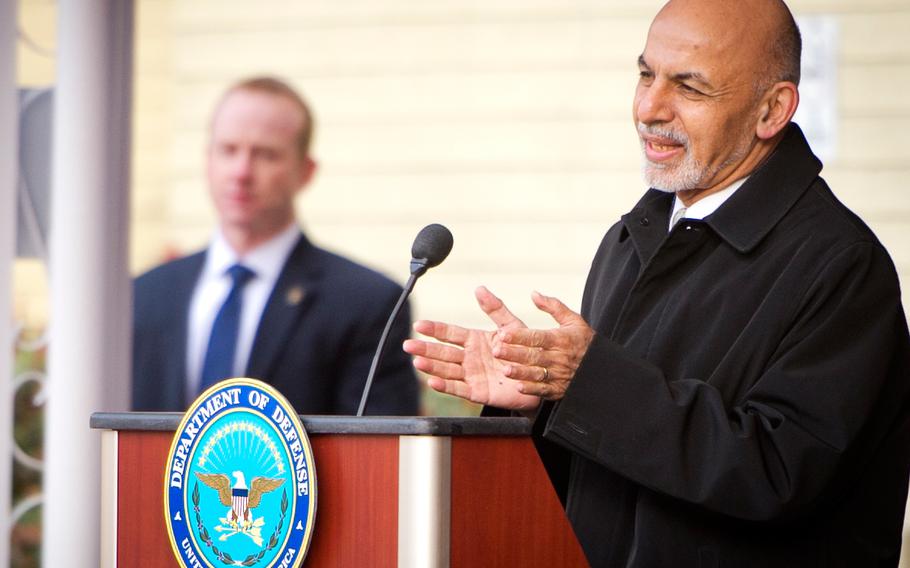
(411, 492)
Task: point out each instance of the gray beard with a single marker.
(689, 174)
(686, 175)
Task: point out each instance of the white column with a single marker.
(9, 141)
(88, 356)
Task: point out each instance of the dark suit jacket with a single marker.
(315, 341)
(746, 399)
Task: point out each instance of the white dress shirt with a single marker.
(707, 205)
(212, 288)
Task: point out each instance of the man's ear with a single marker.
(308, 169)
(777, 108)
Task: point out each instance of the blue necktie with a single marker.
(219, 357)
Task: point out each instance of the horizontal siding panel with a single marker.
(893, 234)
(151, 151)
(514, 197)
(153, 50)
(874, 89)
(203, 15)
(152, 130)
(495, 246)
(872, 193)
(535, 45)
(500, 96)
(876, 36)
(874, 142)
(846, 6)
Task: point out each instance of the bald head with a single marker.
(760, 37)
(786, 46)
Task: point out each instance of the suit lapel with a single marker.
(175, 371)
(294, 291)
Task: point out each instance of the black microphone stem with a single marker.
(432, 245)
(377, 358)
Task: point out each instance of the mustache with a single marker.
(662, 132)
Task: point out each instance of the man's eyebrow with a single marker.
(692, 77)
(685, 76)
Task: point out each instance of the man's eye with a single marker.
(690, 90)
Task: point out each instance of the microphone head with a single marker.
(433, 243)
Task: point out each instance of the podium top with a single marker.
(352, 425)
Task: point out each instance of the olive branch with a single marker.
(204, 533)
(273, 541)
(226, 558)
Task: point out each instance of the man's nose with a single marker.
(653, 103)
(242, 164)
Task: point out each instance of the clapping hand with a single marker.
(513, 367)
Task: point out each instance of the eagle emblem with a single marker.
(240, 500)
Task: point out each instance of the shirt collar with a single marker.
(708, 204)
(266, 260)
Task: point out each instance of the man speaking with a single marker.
(735, 389)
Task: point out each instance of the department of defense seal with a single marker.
(240, 485)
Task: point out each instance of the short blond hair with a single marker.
(279, 88)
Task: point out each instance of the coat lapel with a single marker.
(293, 293)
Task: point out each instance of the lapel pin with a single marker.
(295, 295)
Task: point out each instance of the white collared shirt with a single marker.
(212, 288)
(707, 205)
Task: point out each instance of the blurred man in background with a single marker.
(262, 301)
(735, 389)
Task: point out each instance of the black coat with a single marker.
(314, 343)
(745, 400)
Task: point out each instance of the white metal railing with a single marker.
(33, 141)
(8, 174)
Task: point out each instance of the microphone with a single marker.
(431, 246)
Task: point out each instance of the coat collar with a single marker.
(768, 194)
(750, 214)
